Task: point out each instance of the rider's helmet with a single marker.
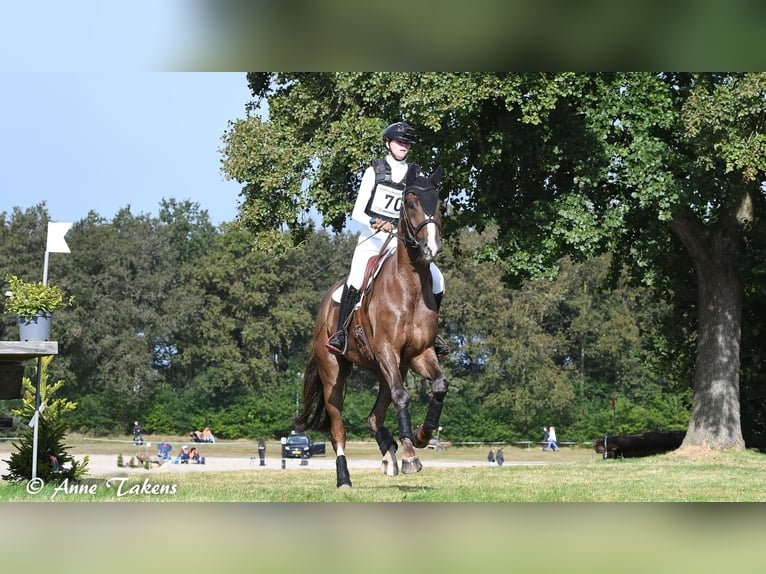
(401, 131)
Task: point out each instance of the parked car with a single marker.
(300, 446)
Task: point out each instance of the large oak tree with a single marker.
(662, 169)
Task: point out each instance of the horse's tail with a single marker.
(314, 415)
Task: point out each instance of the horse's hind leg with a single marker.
(389, 465)
(333, 396)
(375, 422)
(410, 461)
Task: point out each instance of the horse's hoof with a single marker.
(411, 465)
(389, 469)
(388, 465)
(417, 441)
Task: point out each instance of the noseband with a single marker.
(411, 231)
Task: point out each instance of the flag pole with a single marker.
(36, 417)
(45, 268)
(57, 243)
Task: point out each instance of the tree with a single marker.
(134, 309)
(663, 170)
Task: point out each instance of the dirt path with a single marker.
(100, 465)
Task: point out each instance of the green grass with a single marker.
(573, 475)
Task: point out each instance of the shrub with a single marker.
(53, 460)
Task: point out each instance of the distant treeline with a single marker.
(181, 325)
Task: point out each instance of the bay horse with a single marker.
(392, 330)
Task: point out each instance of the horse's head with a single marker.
(420, 215)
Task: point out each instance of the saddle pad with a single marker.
(336, 295)
(370, 274)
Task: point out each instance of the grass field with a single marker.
(530, 475)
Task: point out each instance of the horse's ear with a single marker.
(436, 176)
(412, 173)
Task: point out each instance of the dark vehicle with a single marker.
(299, 446)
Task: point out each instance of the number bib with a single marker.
(385, 201)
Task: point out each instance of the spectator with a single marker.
(262, 452)
(207, 435)
(491, 457)
(545, 437)
(163, 450)
(184, 456)
(196, 436)
(194, 455)
(499, 458)
(137, 436)
(552, 443)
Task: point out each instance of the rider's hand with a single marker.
(382, 225)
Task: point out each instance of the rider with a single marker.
(377, 207)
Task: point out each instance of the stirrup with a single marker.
(338, 343)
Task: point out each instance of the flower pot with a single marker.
(36, 327)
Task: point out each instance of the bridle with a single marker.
(411, 231)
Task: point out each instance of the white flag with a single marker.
(56, 233)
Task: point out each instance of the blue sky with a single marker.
(102, 141)
(145, 35)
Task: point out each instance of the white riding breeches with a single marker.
(367, 247)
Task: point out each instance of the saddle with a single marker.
(374, 265)
(372, 269)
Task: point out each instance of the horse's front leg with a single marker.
(410, 462)
(376, 423)
(427, 366)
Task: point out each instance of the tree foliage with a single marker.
(202, 329)
(663, 170)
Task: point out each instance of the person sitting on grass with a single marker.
(163, 450)
(184, 456)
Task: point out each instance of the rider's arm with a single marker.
(363, 197)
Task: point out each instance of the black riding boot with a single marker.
(440, 346)
(337, 343)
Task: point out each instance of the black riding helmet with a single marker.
(401, 131)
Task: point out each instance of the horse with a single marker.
(392, 330)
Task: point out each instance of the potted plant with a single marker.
(34, 302)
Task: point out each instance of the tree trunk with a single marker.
(715, 417)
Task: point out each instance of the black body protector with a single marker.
(386, 196)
